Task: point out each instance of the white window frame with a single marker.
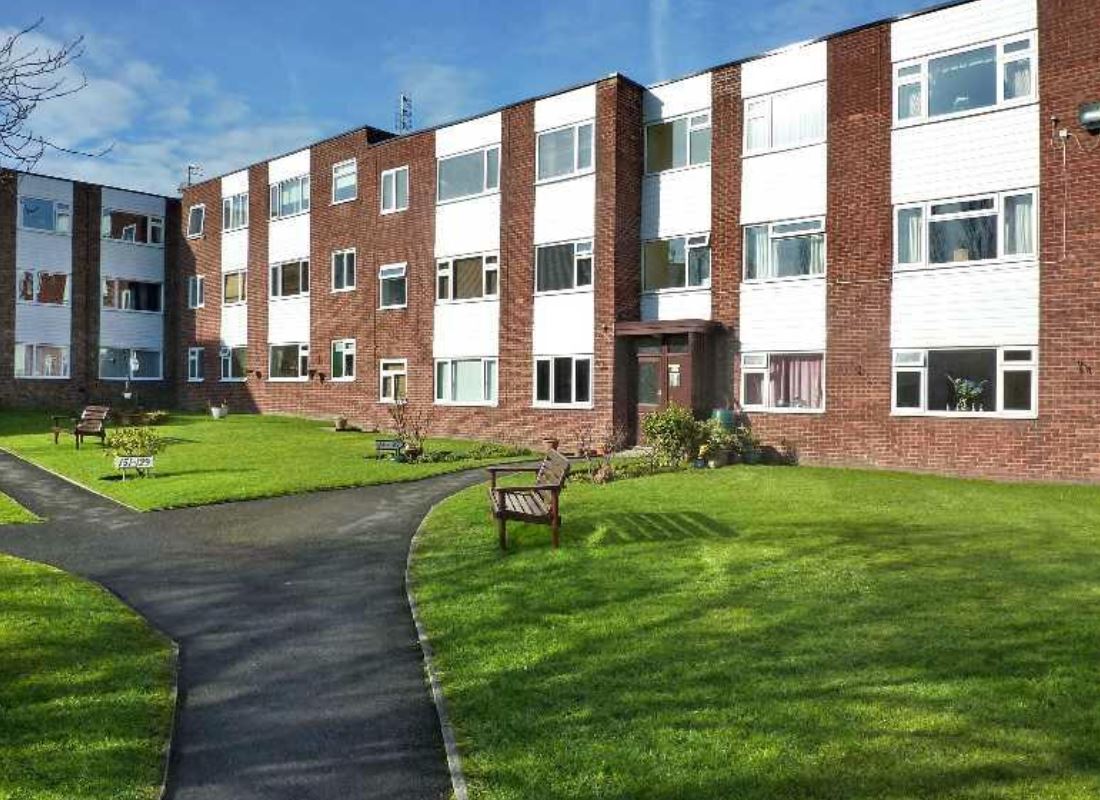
(36, 288)
(235, 212)
(915, 360)
(999, 201)
(347, 348)
(577, 170)
(354, 164)
(67, 362)
(303, 358)
(384, 373)
(692, 125)
(767, 102)
(758, 363)
(490, 263)
(1002, 60)
(691, 241)
(201, 208)
(583, 249)
(60, 210)
(244, 285)
(225, 358)
(347, 287)
(391, 272)
(485, 188)
(152, 223)
(490, 381)
(275, 191)
(773, 235)
(275, 283)
(195, 366)
(129, 363)
(196, 291)
(120, 296)
(574, 403)
(393, 174)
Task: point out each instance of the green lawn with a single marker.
(770, 633)
(241, 457)
(85, 691)
(11, 512)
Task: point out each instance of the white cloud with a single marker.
(440, 92)
(658, 38)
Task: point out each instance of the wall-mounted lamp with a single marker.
(1089, 117)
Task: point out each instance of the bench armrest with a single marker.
(511, 469)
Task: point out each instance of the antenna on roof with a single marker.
(403, 117)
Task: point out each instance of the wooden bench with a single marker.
(91, 422)
(384, 446)
(538, 503)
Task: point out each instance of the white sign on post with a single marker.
(140, 463)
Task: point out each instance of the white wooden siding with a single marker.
(468, 135)
(676, 202)
(131, 329)
(43, 324)
(235, 250)
(468, 226)
(288, 320)
(962, 25)
(129, 260)
(564, 324)
(578, 105)
(676, 98)
(288, 239)
(132, 201)
(235, 183)
(689, 304)
(43, 250)
(783, 316)
(466, 330)
(45, 188)
(565, 210)
(784, 185)
(234, 330)
(290, 166)
(785, 69)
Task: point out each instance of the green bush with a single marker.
(135, 442)
(491, 450)
(673, 434)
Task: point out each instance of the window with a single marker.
(126, 295)
(563, 381)
(785, 249)
(469, 381)
(565, 151)
(290, 279)
(345, 183)
(392, 290)
(395, 190)
(196, 291)
(45, 215)
(783, 381)
(787, 119)
(120, 364)
(393, 381)
(561, 267)
(967, 230)
(289, 362)
(234, 363)
(343, 270)
(234, 285)
(343, 360)
(41, 361)
(683, 262)
(196, 221)
(44, 288)
(677, 143)
(128, 226)
(468, 278)
(195, 369)
(468, 174)
(289, 197)
(235, 212)
(968, 80)
(967, 381)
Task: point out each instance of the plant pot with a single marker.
(127, 395)
(413, 453)
(341, 423)
(219, 412)
(699, 463)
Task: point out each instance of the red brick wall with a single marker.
(725, 232)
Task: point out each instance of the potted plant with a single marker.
(220, 411)
(341, 423)
(967, 393)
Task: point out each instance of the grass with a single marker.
(12, 513)
(242, 457)
(760, 632)
(85, 691)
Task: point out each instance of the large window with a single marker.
(395, 190)
(343, 360)
(565, 151)
(676, 143)
(393, 384)
(235, 212)
(45, 215)
(983, 77)
(467, 278)
(343, 270)
(963, 231)
(120, 364)
(679, 263)
(563, 381)
(129, 226)
(127, 295)
(234, 363)
(234, 287)
(196, 221)
(561, 267)
(289, 362)
(290, 279)
(392, 286)
(196, 291)
(783, 381)
(289, 197)
(785, 249)
(41, 361)
(979, 381)
(468, 174)
(345, 179)
(793, 118)
(469, 381)
(43, 287)
(196, 369)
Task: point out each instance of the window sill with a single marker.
(567, 177)
(393, 308)
(231, 380)
(676, 170)
(466, 197)
(133, 311)
(43, 230)
(196, 380)
(791, 148)
(345, 200)
(1030, 260)
(132, 380)
(563, 406)
(470, 404)
(345, 290)
(288, 297)
(41, 377)
(342, 380)
(235, 305)
(149, 245)
(195, 308)
(560, 292)
(303, 379)
(688, 290)
(390, 212)
(917, 122)
(469, 301)
(193, 236)
(991, 415)
(820, 277)
(37, 304)
(288, 216)
(766, 410)
(241, 229)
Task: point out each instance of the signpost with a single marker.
(140, 464)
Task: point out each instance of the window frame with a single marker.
(688, 246)
(274, 211)
(578, 256)
(347, 287)
(235, 202)
(244, 287)
(404, 276)
(55, 212)
(152, 222)
(67, 362)
(225, 356)
(196, 371)
(447, 397)
(201, 232)
(344, 345)
(119, 294)
(448, 271)
(486, 189)
(36, 289)
(395, 173)
(553, 403)
(129, 364)
(773, 236)
(763, 367)
(303, 358)
(384, 373)
(768, 99)
(355, 184)
(274, 283)
(1030, 365)
(577, 170)
(689, 116)
(196, 292)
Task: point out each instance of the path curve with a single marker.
(300, 673)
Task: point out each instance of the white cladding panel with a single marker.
(784, 185)
(45, 188)
(962, 25)
(466, 330)
(132, 201)
(467, 135)
(131, 329)
(564, 324)
(565, 210)
(288, 320)
(40, 250)
(676, 202)
(288, 239)
(677, 98)
(235, 183)
(234, 250)
(288, 166)
(43, 324)
(970, 155)
(783, 316)
(795, 66)
(693, 304)
(966, 307)
(468, 226)
(578, 105)
(128, 260)
(234, 331)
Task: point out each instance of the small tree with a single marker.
(410, 425)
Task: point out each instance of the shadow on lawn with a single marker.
(627, 528)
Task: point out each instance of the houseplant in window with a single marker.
(968, 393)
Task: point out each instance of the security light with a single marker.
(1089, 116)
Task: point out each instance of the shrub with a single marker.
(673, 434)
(135, 442)
(491, 450)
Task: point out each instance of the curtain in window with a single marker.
(817, 254)
(1018, 229)
(51, 288)
(469, 381)
(756, 252)
(555, 267)
(26, 286)
(909, 236)
(798, 117)
(1017, 79)
(468, 280)
(51, 362)
(795, 381)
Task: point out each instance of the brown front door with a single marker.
(664, 375)
(649, 389)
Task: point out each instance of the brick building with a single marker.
(877, 245)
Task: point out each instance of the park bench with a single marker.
(393, 447)
(91, 422)
(537, 503)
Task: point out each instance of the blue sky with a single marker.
(225, 83)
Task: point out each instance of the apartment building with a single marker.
(878, 246)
